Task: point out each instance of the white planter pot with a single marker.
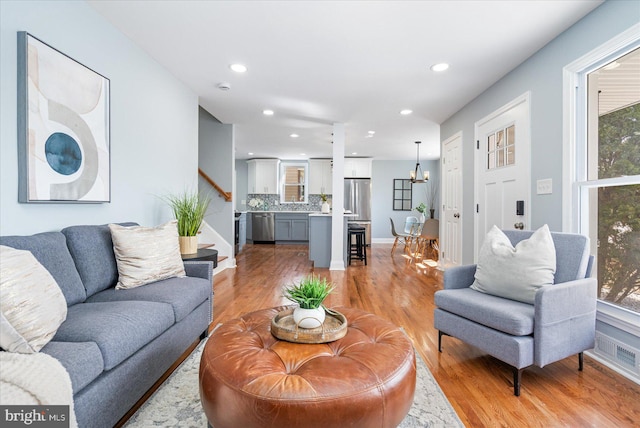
(309, 318)
(325, 208)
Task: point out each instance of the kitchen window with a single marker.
(294, 177)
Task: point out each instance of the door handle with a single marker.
(457, 215)
(519, 225)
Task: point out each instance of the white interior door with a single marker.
(503, 169)
(451, 226)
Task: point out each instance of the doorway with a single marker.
(503, 169)
(451, 226)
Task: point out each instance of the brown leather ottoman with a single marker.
(249, 378)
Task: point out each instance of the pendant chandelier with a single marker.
(418, 176)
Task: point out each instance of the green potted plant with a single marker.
(189, 208)
(422, 209)
(309, 294)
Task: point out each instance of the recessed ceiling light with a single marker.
(250, 153)
(406, 112)
(303, 154)
(371, 132)
(267, 112)
(368, 136)
(440, 67)
(238, 68)
(294, 135)
(354, 153)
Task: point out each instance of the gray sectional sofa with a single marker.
(116, 344)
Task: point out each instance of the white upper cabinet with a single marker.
(263, 176)
(357, 168)
(320, 176)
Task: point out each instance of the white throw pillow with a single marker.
(32, 306)
(146, 254)
(515, 273)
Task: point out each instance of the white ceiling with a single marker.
(316, 63)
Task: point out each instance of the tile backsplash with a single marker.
(272, 203)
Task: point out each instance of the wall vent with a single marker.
(618, 353)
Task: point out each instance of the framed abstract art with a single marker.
(63, 127)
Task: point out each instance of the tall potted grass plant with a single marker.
(189, 208)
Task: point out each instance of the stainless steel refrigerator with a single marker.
(357, 199)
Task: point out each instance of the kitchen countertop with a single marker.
(317, 214)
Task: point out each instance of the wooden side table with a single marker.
(203, 254)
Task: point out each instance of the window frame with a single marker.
(284, 185)
(575, 183)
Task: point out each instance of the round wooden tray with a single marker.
(285, 328)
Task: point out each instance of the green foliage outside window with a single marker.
(619, 206)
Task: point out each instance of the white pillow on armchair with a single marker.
(515, 273)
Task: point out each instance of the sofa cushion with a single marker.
(118, 328)
(146, 254)
(92, 250)
(83, 361)
(508, 316)
(32, 306)
(183, 294)
(515, 272)
(50, 248)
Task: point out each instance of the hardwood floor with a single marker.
(478, 386)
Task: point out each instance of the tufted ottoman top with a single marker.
(249, 378)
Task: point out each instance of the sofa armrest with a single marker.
(459, 277)
(199, 269)
(565, 320)
(202, 269)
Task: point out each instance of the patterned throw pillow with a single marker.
(146, 254)
(32, 305)
(515, 273)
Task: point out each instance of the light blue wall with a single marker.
(542, 75)
(154, 120)
(242, 184)
(215, 150)
(383, 174)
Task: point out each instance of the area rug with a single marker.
(177, 402)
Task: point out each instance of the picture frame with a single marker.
(64, 142)
(402, 194)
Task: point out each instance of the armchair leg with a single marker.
(440, 334)
(581, 361)
(517, 376)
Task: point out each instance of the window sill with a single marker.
(618, 317)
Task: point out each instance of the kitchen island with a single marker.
(320, 238)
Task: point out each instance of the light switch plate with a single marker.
(544, 187)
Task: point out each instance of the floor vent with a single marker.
(618, 353)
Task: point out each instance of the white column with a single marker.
(337, 200)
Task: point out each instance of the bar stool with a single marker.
(357, 250)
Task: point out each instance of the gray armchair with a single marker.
(559, 324)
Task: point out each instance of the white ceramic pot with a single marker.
(309, 318)
(325, 208)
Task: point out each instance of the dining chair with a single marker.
(428, 239)
(405, 236)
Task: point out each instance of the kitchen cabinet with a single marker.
(357, 168)
(292, 227)
(320, 176)
(263, 176)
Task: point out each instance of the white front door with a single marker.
(451, 227)
(503, 169)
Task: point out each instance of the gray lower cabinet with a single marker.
(292, 228)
